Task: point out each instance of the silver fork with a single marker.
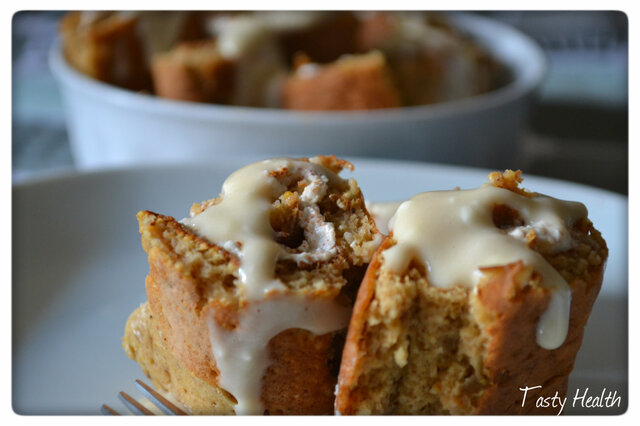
(166, 406)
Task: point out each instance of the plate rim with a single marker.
(59, 176)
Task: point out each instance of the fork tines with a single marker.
(158, 400)
(166, 406)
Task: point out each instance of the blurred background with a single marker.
(577, 129)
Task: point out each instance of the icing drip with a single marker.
(240, 223)
(250, 41)
(382, 214)
(453, 232)
(241, 355)
(243, 217)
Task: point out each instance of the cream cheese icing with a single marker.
(240, 223)
(241, 355)
(454, 234)
(382, 213)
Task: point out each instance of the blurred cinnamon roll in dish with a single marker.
(352, 60)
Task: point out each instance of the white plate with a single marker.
(78, 272)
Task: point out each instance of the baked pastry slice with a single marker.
(106, 46)
(194, 71)
(116, 46)
(430, 60)
(473, 296)
(249, 298)
(353, 82)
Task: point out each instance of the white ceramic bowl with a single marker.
(109, 126)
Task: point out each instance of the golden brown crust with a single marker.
(495, 350)
(112, 47)
(108, 49)
(302, 376)
(513, 358)
(358, 82)
(480, 345)
(418, 74)
(507, 310)
(286, 381)
(145, 343)
(193, 71)
(349, 396)
(333, 163)
(191, 280)
(510, 180)
(177, 298)
(421, 73)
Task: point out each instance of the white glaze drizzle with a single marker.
(250, 41)
(240, 223)
(241, 355)
(454, 234)
(260, 68)
(238, 35)
(382, 212)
